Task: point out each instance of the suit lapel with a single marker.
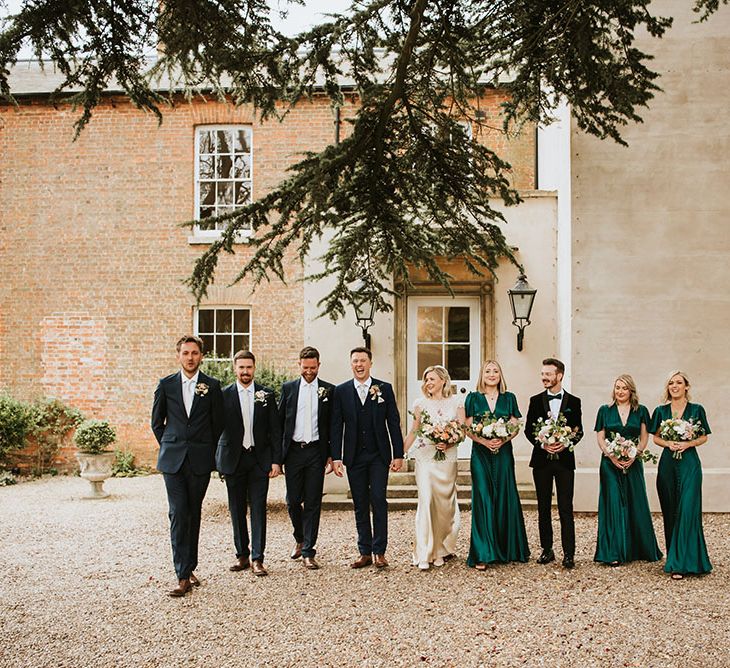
(545, 403)
(294, 405)
(179, 389)
(564, 402)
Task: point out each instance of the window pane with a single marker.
(205, 320)
(241, 321)
(225, 193)
(207, 194)
(430, 327)
(223, 345)
(247, 342)
(457, 319)
(223, 321)
(241, 167)
(208, 344)
(243, 193)
(223, 167)
(206, 141)
(428, 355)
(225, 143)
(457, 362)
(243, 141)
(238, 343)
(205, 167)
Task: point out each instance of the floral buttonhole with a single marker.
(259, 397)
(201, 389)
(376, 394)
(323, 393)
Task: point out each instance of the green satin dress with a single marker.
(497, 526)
(679, 485)
(625, 530)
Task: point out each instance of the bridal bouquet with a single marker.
(626, 449)
(554, 430)
(488, 426)
(677, 429)
(450, 432)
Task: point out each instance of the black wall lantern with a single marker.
(521, 299)
(363, 301)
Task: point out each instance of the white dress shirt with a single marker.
(367, 385)
(555, 403)
(188, 390)
(307, 401)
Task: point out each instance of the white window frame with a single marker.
(224, 307)
(201, 235)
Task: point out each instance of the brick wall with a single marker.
(93, 256)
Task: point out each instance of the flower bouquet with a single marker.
(625, 449)
(677, 429)
(553, 431)
(450, 432)
(488, 426)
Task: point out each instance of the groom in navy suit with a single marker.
(365, 435)
(187, 418)
(249, 453)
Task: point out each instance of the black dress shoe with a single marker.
(568, 562)
(546, 557)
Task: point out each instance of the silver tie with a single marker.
(362, 390)
(246, 421)
(188, 394)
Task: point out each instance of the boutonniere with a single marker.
(376, 394)
(323, 393)
(259, 397)
(201, 389)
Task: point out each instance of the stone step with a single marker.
(342, 502)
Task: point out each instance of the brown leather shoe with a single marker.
(194, 581)
(257, 568)
(380, 561)
(310, 563)
(183, 587)
(242, 563)
(297, 551)
(362, 561)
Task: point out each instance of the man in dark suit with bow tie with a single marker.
(554, 462)
(304, 408)
(187, 418)
(249, 453)
(366, 437)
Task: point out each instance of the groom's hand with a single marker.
(328, 466)
(275, 471)
(396, 464)
(338, 468)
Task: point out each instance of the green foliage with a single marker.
(94, 436)
(220, 369)
(7, 478)
(266, 374)
(124, 466)
(52, 422)
(16, 423)
(408, 186)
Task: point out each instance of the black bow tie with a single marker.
(555, 396)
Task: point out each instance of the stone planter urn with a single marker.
(96, 469)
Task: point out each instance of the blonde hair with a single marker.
(443, 374)
(481, 387)
(665, 395)
(627, 380)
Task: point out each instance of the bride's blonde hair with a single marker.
(443, 374)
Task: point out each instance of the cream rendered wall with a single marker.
(651, 248)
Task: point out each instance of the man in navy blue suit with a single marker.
(187, 418)
(365, 436)
(249, 453)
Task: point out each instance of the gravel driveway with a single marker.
(83, 583)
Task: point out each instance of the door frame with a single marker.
(482, 287)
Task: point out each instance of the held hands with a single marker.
(338, 468)
(396, 465)
(275, 471)
(328, 468)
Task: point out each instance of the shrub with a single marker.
(94, 436)
(16, 423)
(265, 374)
(7, 478)
(52, 422)
(124, 466)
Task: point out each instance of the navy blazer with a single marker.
(266, 430)
(288, 414)
(385, 423)
(179, 435)
(539, 408)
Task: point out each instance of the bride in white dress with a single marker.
(437, 516)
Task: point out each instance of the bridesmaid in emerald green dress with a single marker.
(625, 531)
(679, 482)
(497, 526)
